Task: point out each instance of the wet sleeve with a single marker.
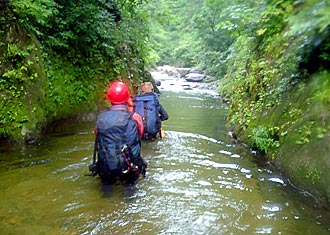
(162, 112)
(138, 119)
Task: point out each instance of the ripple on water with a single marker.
(195, 184)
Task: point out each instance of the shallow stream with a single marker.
(198, 182)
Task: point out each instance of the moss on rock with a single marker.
(301, 126)
(23, 80)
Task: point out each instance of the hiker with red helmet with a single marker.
(118, 138)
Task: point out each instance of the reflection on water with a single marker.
(198, 182)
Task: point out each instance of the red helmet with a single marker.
(118, 93)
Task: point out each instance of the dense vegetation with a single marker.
(56, 55)
(271, 57)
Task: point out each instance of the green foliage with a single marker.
(173, 40)
(83, 28)
(319, 11)
(260, 68)
(214, 40)
(314, 175)
(264, 139)
(84, 45)
(21, 109)
(322, 95)
(272, 58)
(15, 54)
(70, 88)
(33, 14)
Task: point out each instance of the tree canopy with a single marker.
(205, 33)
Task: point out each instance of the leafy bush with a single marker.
(34, 15)
(263, 139)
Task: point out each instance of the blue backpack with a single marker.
(147, 106)
(117, 144)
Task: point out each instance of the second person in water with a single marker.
(147, 105)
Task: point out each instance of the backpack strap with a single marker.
(125, 150)
(96, 144)
(92, 167)
(145, 118)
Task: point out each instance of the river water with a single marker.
(198, 182)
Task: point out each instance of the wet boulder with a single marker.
(194, 77)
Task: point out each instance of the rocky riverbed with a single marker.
(179, 79)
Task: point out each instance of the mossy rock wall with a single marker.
(302, 129)
(36, 91)
(23, 81)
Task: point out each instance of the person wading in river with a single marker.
(118, 139)
(147, 105)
